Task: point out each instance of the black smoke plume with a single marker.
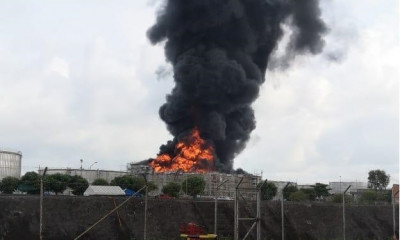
(219, 50)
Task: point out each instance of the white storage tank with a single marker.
(10, 163)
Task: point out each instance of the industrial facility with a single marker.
(225, 182)
(88, 174)
(10, 163)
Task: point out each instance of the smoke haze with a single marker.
(220, 50)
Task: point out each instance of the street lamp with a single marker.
(92, 165)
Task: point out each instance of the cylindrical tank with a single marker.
(10, 163)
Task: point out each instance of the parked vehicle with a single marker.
(224, 198)
(164, 196)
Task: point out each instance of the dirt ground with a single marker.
(65, 217)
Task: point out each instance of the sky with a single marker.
(78, 80)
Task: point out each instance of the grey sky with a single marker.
(77, 80)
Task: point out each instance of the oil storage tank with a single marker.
(10, 163)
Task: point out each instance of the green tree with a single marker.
(338, 198)
(298, 196)
(368, 197)
(172, 189)
(78, 185)
(56, 183)
(289, 190)
(268, 190)
(30, 183)
(378, 179)
(195, 185)
(385, 196)
(151, 186)
(9, 185)
(127, 181)
(100, 182)
(321, 190)
(310, 193)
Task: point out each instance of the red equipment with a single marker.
(191, 229)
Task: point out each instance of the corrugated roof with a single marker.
(104, 190)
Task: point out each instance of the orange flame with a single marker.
(193, 154)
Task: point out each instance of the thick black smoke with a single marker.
(219, 50)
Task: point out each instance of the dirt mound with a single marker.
(66, 217)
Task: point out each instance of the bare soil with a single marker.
(65, 217)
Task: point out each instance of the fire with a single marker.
(192, 154)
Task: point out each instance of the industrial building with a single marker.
(10, 163)
(340, 187)
(227, 182)
(88, 174)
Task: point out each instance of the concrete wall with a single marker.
(89, 175)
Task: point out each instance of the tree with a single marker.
(298, 196)
(127, 181)
(56, 183)
(78, 185)
(289, 190)
(9, 185)
(172, 189)
(268, 190)
(30, 183)
(321, 190)
(100, 182)
(137, 183)
(195, 185)
(151, 186)
(338, 198)
(378, 179)
(368, 197)
(310, 193)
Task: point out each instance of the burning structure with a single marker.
(227, 182)
(219, 51)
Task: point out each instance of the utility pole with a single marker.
(145, 207)
(394, 211)
(282, 212)
(41, 204)
(344, 215)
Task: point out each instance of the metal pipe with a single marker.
(283, 220)
(41, 204)
(282, 212)
(251, 228)
(236, 218)
(90, 167)
(145, 213)
(344, 216)
(258, 214)
(215, 214)
(145, 206)
(41, 208)
(248, 219)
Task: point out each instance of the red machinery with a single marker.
(191, 231)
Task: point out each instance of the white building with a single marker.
(104, 191)
(340, 187)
